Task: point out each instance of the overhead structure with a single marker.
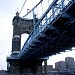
(49, 33)
(51, 29)
(53, 32)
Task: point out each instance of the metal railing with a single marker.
(51, 13)
(48, 16)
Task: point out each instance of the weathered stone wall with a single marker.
(25, 67)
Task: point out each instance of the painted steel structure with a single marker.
(53, 32)
(51, 29)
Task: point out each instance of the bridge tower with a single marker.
(20, 26)
(16, 39)
(22, 66)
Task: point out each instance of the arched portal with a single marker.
(20, 26)
(23, 39)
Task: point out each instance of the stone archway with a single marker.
(20, 26)
(24, 37)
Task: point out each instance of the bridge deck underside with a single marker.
(57, 37)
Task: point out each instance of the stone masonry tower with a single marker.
(22, 66)
(20, 26)
(16, 40)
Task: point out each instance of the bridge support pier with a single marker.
(45, 66)
(26, 67)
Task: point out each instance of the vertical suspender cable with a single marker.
(42, 7)
(22, 6)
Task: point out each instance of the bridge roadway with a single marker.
(53, 36)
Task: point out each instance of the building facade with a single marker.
(69, 63)
(60, 65)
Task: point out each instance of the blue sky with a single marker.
(8, 9)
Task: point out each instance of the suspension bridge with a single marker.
(51, 29)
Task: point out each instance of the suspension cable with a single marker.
(23, 6)
(33, 8)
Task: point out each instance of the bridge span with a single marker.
(49, 33)
(52, 33)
